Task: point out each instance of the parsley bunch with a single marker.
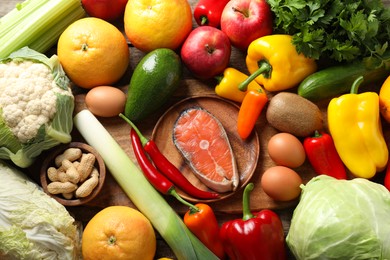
(339, 30)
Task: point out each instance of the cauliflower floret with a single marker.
(27, 104)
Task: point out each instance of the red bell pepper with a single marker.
(256, 236)
(202, 221)
(208, 12)
(323, 156)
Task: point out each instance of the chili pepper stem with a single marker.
(143, 139)
(192, 207)
(264, 67)
(356, 84)
(204, 20)
(246, 210)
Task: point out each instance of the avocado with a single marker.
(154, 80)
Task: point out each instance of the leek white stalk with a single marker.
(37, 24)
(164, 219)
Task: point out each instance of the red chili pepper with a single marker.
(208, 12)
(387, 177)
(202, 222)
(250, 110)
(158, 180)
(323, 156)
(255, 236)
(167, 168)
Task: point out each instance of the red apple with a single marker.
(206, 52)
(244, 21)
(108, 10)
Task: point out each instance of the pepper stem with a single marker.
(317, 134)
(192, 207)
(246, 210)
(265, 68)
(356, 84)
(204, 20)
(143, 139)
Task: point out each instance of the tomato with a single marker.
(108, 10)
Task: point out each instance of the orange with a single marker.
(152, 24)
(118, 232)
(384, 99)
(93, 52)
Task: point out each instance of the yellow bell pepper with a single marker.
(274, 63)
(355, 125)
(228, 85)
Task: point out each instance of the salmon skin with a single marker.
(202, 140)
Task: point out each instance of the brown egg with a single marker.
(281, 183)
(285, 149)
(105, 101)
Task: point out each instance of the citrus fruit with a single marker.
(157, 24)
(118, 232)
(202, 140)
(93, 52)
(384, 99)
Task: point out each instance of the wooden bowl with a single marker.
(246, 151)
(49, 161)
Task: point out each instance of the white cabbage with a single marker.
(341, 219)
(32, 224)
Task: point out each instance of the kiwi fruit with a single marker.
(291, 113)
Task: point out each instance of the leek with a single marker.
(37, 24)
(164, 219)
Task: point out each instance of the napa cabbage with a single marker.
(32, 224)
(341, 219)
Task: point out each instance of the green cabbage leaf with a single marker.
(32, 224)
(341, 219)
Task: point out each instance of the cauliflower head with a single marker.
(36, 106)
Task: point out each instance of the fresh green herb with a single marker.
(340, 30)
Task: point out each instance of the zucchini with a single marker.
(335, 80)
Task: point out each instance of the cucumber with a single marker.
(333, 81)
(154, 80)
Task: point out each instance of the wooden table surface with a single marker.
(226, 209)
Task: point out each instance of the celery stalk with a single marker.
(37, 24)
(164, 219)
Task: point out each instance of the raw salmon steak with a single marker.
(202, 140)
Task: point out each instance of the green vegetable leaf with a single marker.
(341, 219)
(339, 30)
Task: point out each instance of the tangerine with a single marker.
(118, 232)
(384, 99)
(93, 52)
(157, 24)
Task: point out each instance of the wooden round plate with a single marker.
(246, 152)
